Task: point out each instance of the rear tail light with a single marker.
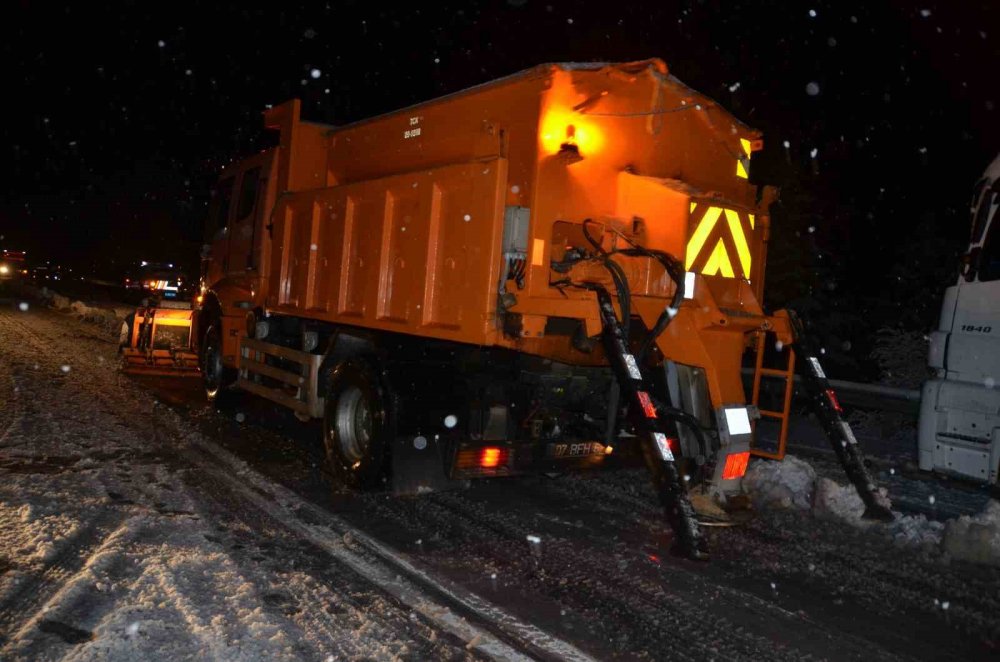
(736, 465)
(489, 458)
(484, 461)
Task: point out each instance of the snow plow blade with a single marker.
(159, 342)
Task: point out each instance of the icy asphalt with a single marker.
(138, 523)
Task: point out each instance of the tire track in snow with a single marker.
(24, 605)
(484, 628)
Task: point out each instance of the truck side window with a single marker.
(989, 260)
(986, 201)
(218, 207)
(248, 193)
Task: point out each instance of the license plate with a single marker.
(579, 449)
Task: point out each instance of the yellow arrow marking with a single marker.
(719, 262)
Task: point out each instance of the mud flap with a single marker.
(418, 466)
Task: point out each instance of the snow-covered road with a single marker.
(137, 523)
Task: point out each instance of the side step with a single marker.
(296, 389)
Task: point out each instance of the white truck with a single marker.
(959, 431)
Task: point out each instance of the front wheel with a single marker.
(215, 375)
(358, 424)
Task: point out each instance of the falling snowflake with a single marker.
(735, 86)
(161, 43)
(65, 368)
(812, 88)
(931, 499)
(925, 13)
(813, 152)
(315, 73)
(240, 417)
(467, 218)
(515, 189)
(450, 421)
(787, 144)
(23, 306)
(812, 13)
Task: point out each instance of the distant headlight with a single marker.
(4, 269)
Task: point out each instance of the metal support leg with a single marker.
(652, 432)
(838, 431)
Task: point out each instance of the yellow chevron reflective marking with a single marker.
(751, 220)
(700, 235)
(740, 239)
(744, 159)
(719, 262)
(693, 205)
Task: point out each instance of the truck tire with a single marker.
(358, 424)
(216, 376)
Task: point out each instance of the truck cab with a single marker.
(959, 430)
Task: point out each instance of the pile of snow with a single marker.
(788, 484)
(916, 531)
(792, 484)
(109, 318)
(838, 502)
(975, 538)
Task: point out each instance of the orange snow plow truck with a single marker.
(554, 270)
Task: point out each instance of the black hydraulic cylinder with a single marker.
(827, 409)
(652, 432)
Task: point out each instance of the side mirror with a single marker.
(970, 263)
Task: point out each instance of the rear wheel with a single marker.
(358, 424)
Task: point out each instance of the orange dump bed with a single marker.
(413, 221)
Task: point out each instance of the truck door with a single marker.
(242, 236)
(215, 252)
(974, 350)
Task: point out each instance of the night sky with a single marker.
(119, 116)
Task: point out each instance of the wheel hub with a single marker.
(353, 424)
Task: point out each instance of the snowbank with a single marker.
(975, 538)
(792, 484)
(109, 318)
(788, 484)
(838, 502)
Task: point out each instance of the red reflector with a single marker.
(736, 465)
(675, 445)
(647, 405)
(832, 397)
(489, 458)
